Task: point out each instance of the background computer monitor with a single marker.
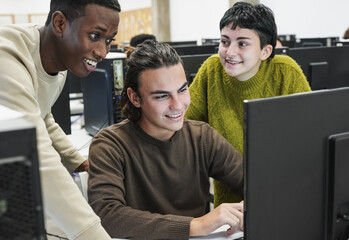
(286, 163)
(192, 63)
(316, 42)
(102, 93)
(98, 101)
(21, 208)
(196, 49)
(287, 40)
(178, 43)
(338, 211)
(324, 67)
(74, 82)
(61, 109)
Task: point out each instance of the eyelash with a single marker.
(96, 37)
(165, 96)
(224, 42)
(161, 97)
(241, 44)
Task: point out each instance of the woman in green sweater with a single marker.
(244, 68)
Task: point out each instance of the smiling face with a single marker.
(164, 99)
(240, 52)
(86, 40)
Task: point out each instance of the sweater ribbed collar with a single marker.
(250, 86)
(149, 139)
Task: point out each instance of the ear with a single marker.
(266, 52)
(134, 98)
(59, 23)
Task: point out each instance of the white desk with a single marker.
(81, 140)
(219, 234)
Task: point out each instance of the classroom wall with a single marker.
(311, 18)
(196, 19)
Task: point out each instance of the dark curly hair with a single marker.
(73, 9)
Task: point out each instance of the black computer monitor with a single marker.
(287, 40)
(196, 49)
(286, 163)
(342, 43)
(281, 50)
(61, 109)
(192, 63)
(102, 93)
(338, 211)
(21, 207)
(97, 90)
(74, 82)
(210, 41)
(324, 67)
(179, 43)
(316, 42)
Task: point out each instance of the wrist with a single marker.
(196, 227)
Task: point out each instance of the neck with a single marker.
(48, 51)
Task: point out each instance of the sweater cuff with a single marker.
(94, 232)
(180, 229)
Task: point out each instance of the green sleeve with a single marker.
(198, 93)
(298, 79)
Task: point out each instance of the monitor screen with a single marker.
(286, 163)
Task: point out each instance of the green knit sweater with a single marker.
(217, 99)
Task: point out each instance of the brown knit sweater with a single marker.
(143, 188)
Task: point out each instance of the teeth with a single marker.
(174, 116)
(232, 62)
(90, 62)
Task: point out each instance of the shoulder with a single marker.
(284, 60)
(198, 127)
(202, 132)
(212, 60)
(20, 42)
(116, 130)
(13, 33)
(211, 67)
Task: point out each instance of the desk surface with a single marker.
(81, 140)
(219, 234)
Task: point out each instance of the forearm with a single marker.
(70, 156)
(125, 222)
(227, 213)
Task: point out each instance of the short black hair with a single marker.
(257, 17)
(73, 9)
(150, 54)
(137, 39)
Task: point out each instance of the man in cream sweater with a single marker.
(33, 64)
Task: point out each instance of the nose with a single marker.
(176, 103)
(232, 50)
(101, 50)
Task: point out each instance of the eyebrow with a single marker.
(239, 38)
(165, 92)
(100, 28)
